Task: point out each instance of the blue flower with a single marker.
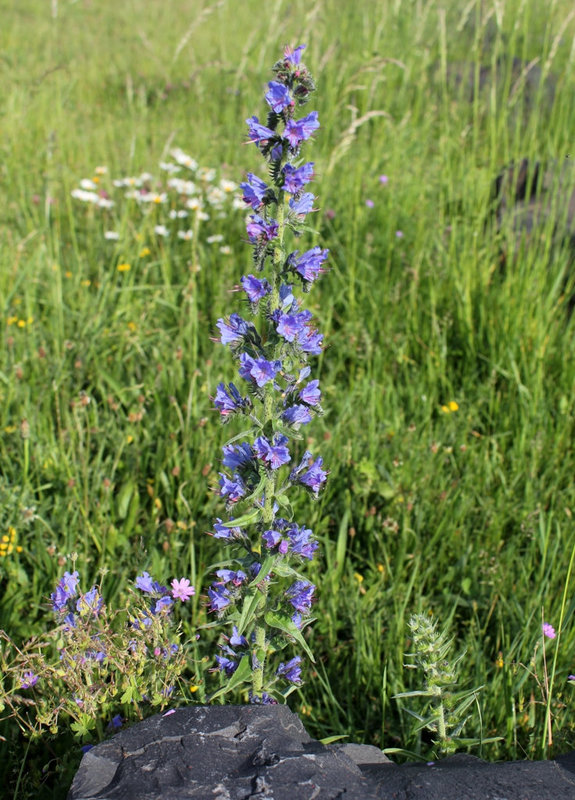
(229, 401)
(254, 191)
(91, 601)
(291, 671)
(296, 179)
(293, 56)
(259, 370)
(236, 577)
(235, 330)
(308, 265)
(236, 456)
(261, 230)
(297, 415)
(297, 131)
(219, 597)
(226, 665)
(300, 595)
(290, 326)
(224, 532)
(254, 288)
(66, 588)
(310, 341)
(311, 393)
(236, 640)
(315, 476)
(303, 205)
(278, 97)
(275, 454)
(259, 133)
(232, 488)
(28, 679)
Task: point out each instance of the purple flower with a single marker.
(296, 179)
(308, 265)
(297, 415)
(291, 670)
(290, 326)
(301, 541)
(146, 584)
(271, 538)
(297, 131)
(28, 679)
(258, 370)
(275, 454)
(303, 205)
(236, 640)
(303, 464)
(219, 597)
(229, 401)
(293, 56)
(236, 456)
(226, 665)
(278, 97)
(91, 601)
(116, 723)
(310, 341)
(548, 630)
(224, 532)
(65, 589)
(383, 179)
(182, 590)
(311, 393)
(233, 331)
(258, 133)
(399, 234)
(254, 191)
(261, 230)
(254, 288)
(230, 576)
(300, 595)
(232, 488)
(315, 476)
(369, 203)
(163, 605)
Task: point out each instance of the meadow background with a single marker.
(108, 439)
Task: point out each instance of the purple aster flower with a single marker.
(278, 97)
(315, 476)
(234, 331)
(302, 205)
(291, 670)
(261, 230)
(254, 191)
(182, 590)
(297, 131)
(548, 630)
(258, 370)
(310, 341)
(311, 393)
(297, 415)
(237, 455)
(219, 597)
(28, 679)
(290, 326)
(293, 56)
(229, 401)
(275, 454)
(254, 288)
(300, 595)
(296, 179)
(259, 133)
(308, 265)
(232, 488)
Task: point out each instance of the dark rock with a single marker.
(233, 752)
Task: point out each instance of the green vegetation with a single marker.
(448, 380)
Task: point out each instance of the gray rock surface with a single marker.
(265, 753)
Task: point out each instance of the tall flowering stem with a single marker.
(262, 594)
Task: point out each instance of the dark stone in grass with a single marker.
(241, 752)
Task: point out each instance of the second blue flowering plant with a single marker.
(262, 594)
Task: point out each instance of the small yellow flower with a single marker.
(123, 267)
(11, 320)
(145, 251)
(380, 568)
(453, 406)
(10, 429)
(132, 326)
(445, 409)
(129, 439)
(21, 323)
(68, 274)
(158, 503)
(194, 688)
(499, 660)
(86, 283)
(358, 577)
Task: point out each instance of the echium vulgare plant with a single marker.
(262, 595)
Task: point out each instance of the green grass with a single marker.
(468, 514)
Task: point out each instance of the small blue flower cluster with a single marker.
(278, 400)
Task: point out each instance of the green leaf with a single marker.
(285, 624)
(243, 435)
(246, 519)
(249, 608)
(283, 570)
(264, 570)
(242, 674)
